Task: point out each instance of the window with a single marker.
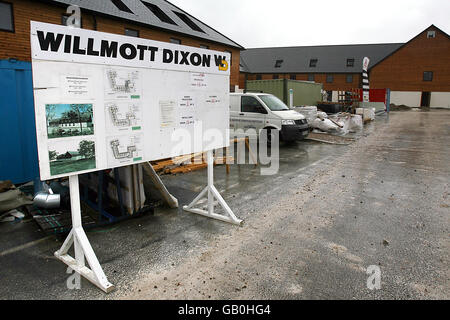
(204, 46)
(329, 96)
(176, 41)
(311, 77)
(131, 33)
(258, 77)
(330, 78)
(350, 62)
(431, 34)
(121, 6)
(273, 103)
(158, 13)
(231, 57)
(250, 104)
(293, 77)
(275, 77)
(188, 21)
(6, 17)
(313, 63)
(278, 63)
(64, 18)
(428, 76)
(349, 78)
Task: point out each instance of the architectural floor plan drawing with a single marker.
(124, 150)
(123, 116)
(122, 155)
(122, 83)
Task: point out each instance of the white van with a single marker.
(265, 111)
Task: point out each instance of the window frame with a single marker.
(188, 21)
(258, 77)
(293, 77)
(311, 77)
(347, 77)
(278, 63)
(311, 64)
(13, 24)
(175, 40)
(134, 30)
(352, 64)
(431, 34)
(159, 13)
(329, 76)
(275, 76)
(121, 6)
(428, 72)
(260, 105)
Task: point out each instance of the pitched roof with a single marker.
(432, 27)
(146, 12)
(330, 59)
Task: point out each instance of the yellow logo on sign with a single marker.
(224, 66)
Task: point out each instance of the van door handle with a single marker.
(241, 114)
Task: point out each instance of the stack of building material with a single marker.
(187, 163)
(310, 112)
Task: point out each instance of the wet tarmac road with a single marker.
(310, 231)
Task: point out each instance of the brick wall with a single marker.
(403, 71)
(17, 45)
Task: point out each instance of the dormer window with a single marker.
(188, 21)
(350, 62)
(121, 6)
(278, 63)
(313, 63)
(431, 34)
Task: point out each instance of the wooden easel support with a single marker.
(77, 237)
(211, 192)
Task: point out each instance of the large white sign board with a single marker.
(105, 101)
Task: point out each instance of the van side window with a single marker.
(250, 104)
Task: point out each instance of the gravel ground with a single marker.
(310, 231)
(383, 202)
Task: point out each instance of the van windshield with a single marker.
(273, 103)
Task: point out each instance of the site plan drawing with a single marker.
(123, 116)
(122, 83)
(124, 149)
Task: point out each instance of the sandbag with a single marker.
(356, 123)
(325, 125)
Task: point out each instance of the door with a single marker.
(18, 156)
(253, 114)
(425, 100)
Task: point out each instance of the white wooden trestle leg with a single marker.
(82, 247)
(212, 194)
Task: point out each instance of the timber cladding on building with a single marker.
(417, 72)
(150, 19)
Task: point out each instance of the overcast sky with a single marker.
(274, 23)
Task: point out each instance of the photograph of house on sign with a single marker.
(71, 156)
(68, 120)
